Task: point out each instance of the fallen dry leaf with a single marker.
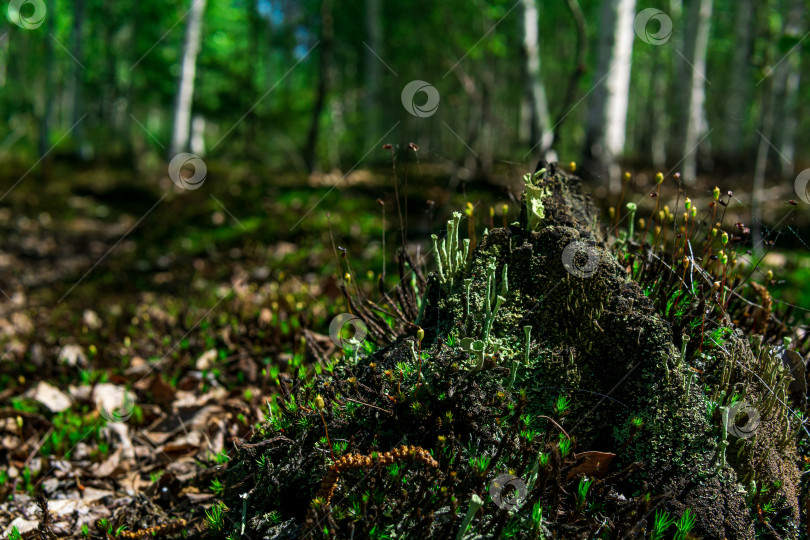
(594, 464)
(54, 399)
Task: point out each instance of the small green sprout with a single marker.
(215, 517)
(561, 405)
(631, 217)
(685, 524)
(537, 515)
(394, 469)
(476, 503)
(565, 446)
(661, 523)
(480, 463)
(217, 488)
(582, 492)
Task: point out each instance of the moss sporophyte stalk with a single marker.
(511, 364)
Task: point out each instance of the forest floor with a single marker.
(143, 329)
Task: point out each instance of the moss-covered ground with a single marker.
(621, 395)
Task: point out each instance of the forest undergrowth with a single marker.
(556, 376)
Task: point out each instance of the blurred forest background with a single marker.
(705, 85)
(291, 106)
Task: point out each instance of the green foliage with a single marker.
(662, 522)
(582, 492)
(480, 463)
(561, 405)
(215, 517)
(217, 488)
(537, 514)
(565, 445)
(685, 524)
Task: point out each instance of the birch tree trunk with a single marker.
(540, 121)
(607, 110)
(696, 42)
(185, 92)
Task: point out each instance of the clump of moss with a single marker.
(540, 360)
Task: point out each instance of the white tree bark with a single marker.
(185, 92)
(540, 123)
(696, 42)
(607, 109)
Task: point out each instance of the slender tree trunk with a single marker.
(540, 123)
(310, 150)
(765, 133)
(254, 147)
(185, 91)
(525, 122)
(789, 73)
(738, 103)
(77, 51)
(4, 38)
(658, 117)
(48, 94)
(373, 71)
(77, 102)
(607, 110)
(696, 42)
(760, 169)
